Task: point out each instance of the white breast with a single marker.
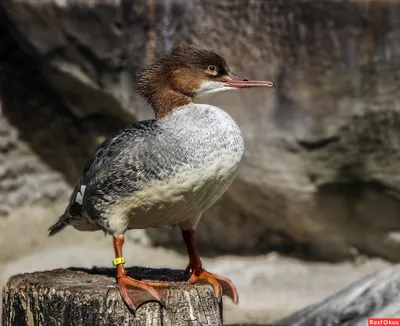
(213, 146)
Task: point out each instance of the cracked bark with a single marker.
(90, 297)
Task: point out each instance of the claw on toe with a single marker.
(221, 285)
(228, 288)
(135, 292)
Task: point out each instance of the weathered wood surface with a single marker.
(376, 295)
(90, 297)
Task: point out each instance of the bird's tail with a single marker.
(59, 225)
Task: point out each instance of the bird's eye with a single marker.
(212, 68)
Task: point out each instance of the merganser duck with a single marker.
(167, 171)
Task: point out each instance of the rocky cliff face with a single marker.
(320, 177)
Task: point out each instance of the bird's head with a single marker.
(187, 73)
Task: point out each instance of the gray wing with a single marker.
(112, 149)
(123, 164)
(120, 166)
(117, 166)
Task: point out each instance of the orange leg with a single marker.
(221, 285)
(136, 292)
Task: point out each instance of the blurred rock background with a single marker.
(321, 175)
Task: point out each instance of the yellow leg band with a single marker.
(118, 261)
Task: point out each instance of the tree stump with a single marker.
(90, 297)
